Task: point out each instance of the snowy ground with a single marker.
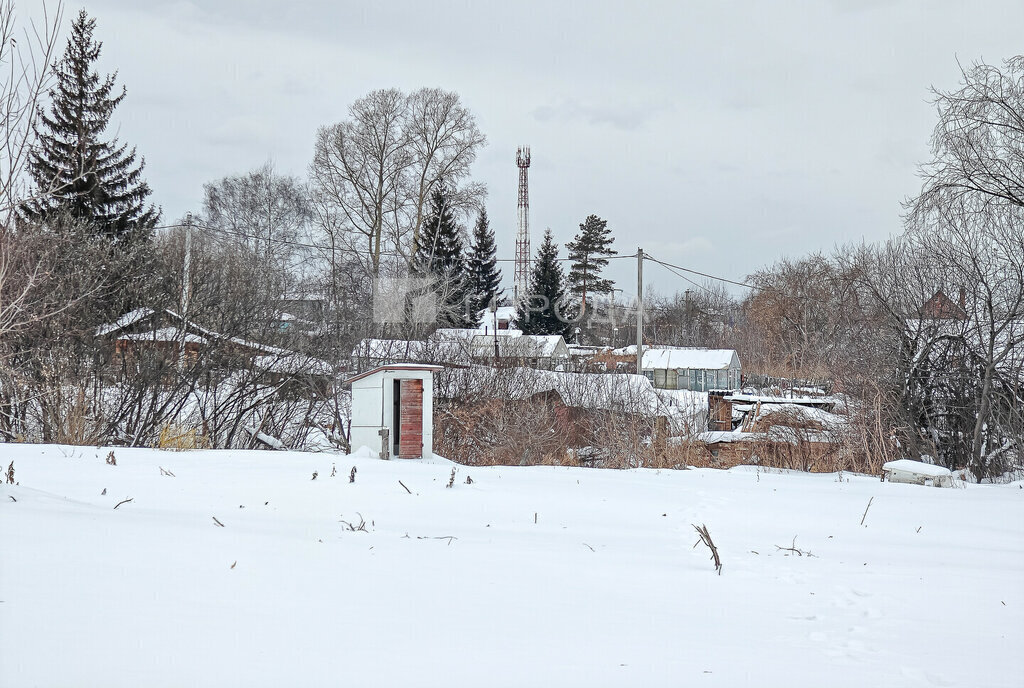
(528, 576)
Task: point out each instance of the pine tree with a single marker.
(542, 311)
(440, 255)
(482, 266)
(589, 253)
(76, 173)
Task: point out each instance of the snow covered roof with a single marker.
(717, 436)
(918, 467)
(504, 313)
(396, 350)
(616, 392)
(293, 364)
(139, 314)
(164, 334)
(126, 320)
(519, 346)
(688, 357)
(740, 398)
(417, 367)
(454, 333)
(581, 350)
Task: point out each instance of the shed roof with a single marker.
(418, 367)
(688, 357)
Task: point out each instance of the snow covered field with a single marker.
(527, 576)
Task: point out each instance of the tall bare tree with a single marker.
(265, 209)
(375, 171)
(968, 221)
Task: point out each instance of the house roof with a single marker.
(688, 357)
(397, 350)
(164, 334)
(126, 320)
(941, 307)
(140, 314)
(503, 313)
(293, 364)
(519, 346)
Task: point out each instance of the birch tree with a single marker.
(375, 172)
(267, 210)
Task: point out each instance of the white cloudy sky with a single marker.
(717, 135)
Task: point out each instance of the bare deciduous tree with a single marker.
(374, 172)
(968, 221)
(266, 209)
(978, 143)
(25, 72)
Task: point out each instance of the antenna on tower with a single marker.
(522, 271)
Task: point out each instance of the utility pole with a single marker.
(186, 288)
(639, 310)
(494, 314)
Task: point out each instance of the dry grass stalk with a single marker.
(176, 438)
(794, 549)
(356, 527)
(705, 537)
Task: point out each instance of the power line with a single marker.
(703, 274)
(682, 276)
(300, 244)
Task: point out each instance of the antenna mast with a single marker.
(522, 271)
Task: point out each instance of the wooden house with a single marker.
(162, 341)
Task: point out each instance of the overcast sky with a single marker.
(717, 135)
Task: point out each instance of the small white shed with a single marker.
(917, 472)
(396, 401)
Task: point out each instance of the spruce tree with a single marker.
(542, 311)
(440, 255)
(77, 173)
(589, 253)
(482, 266)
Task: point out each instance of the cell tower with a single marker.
(522, 272)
